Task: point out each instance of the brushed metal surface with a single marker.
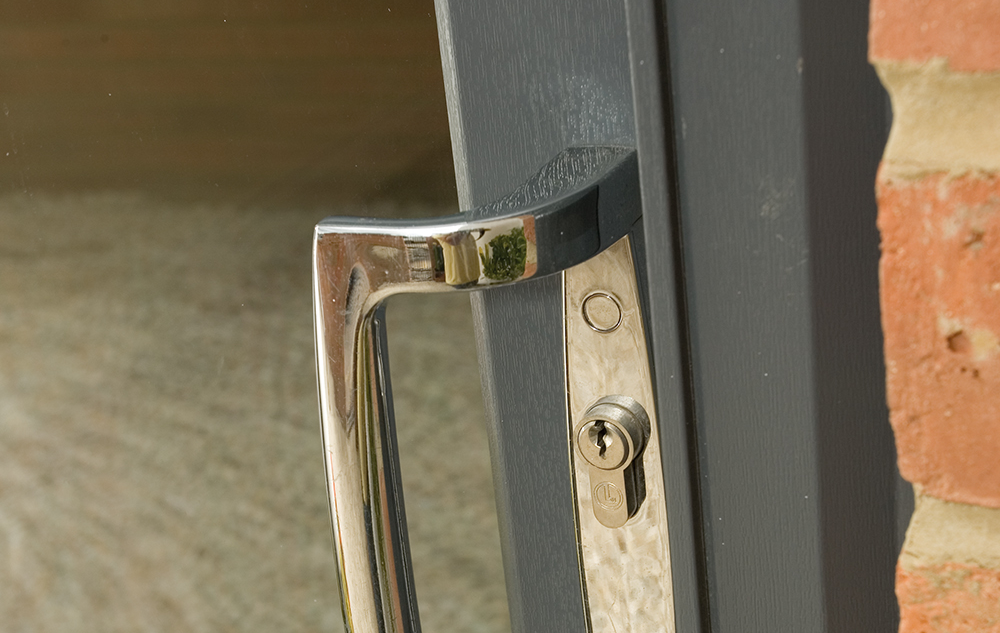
(627, 581)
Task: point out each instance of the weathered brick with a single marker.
(940, 287)
(965, 33)
(948, 598)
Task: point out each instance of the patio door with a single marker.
(758, 127)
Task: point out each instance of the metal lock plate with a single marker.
(621, 508)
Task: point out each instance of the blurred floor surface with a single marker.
(160, 460)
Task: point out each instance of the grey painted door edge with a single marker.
(776, 124)
(758, 125)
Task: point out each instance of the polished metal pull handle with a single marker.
(579, 204)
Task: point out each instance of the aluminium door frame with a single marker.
(759, 126)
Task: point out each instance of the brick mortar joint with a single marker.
(944, 120)
(909, 172)
(939, 62)
(947, 532)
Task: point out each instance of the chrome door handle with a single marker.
(579, 204)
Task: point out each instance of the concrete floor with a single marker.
(160, 459)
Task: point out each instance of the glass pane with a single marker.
(162, 165)
(445, 463)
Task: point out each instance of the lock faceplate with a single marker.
(621, 506)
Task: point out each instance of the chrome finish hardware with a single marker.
(602, 312)
(613, 432)
(579, 204)
(624, 549)
(611, 438)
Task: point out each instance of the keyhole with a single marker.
(601, 437)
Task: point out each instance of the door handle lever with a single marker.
(577, 205)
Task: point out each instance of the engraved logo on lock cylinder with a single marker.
(608, 495)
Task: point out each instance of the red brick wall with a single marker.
(939, 213)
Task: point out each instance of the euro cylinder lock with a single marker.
(610, 438)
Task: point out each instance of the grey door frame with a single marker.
(759, 126)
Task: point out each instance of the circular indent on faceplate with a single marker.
(602, 312)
